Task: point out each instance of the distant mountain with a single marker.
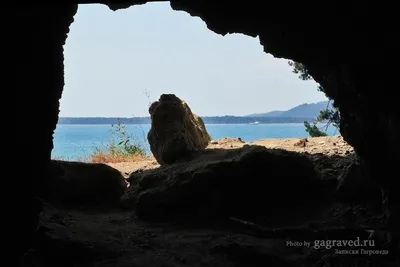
(304, 110)
(275, 113)
(299, 114)
(206, 119)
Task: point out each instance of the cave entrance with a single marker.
(116, 63)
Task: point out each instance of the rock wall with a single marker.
(347, 46)
(34, 37)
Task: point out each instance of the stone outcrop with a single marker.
(76, 184)
(249, 181)
(302, 142)
(176, 132)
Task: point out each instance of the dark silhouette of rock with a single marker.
(355, 185)
(175, 131)
(76, 184)
(57, 245)
(250, 181)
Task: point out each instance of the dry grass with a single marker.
(122, 147)
(104, 157)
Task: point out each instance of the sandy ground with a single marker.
(328, 145)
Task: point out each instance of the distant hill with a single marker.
(304, 110)
(206, 119)
(275, 113)
(299, 114)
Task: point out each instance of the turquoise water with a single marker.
(74, 141)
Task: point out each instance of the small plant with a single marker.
(124, 142)
(123, 147)
(147, 94)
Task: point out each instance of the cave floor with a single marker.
(117, 238)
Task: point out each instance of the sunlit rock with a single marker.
(175, 131)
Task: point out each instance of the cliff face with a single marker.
(347, 48)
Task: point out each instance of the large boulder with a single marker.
(77, 184)
(175, 131)
(248, 181)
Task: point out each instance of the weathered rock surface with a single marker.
(78, 184)
(251, 180)
(175, 131)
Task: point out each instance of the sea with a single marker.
(77, 141)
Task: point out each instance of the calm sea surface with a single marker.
(74, 141)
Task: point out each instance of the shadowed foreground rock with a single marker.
(250, 181)
(175, 131)
(354, 184)
(77, 183)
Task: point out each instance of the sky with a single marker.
(116, 63)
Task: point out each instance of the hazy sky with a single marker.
(113, 58)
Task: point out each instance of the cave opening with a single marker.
(117, 63)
